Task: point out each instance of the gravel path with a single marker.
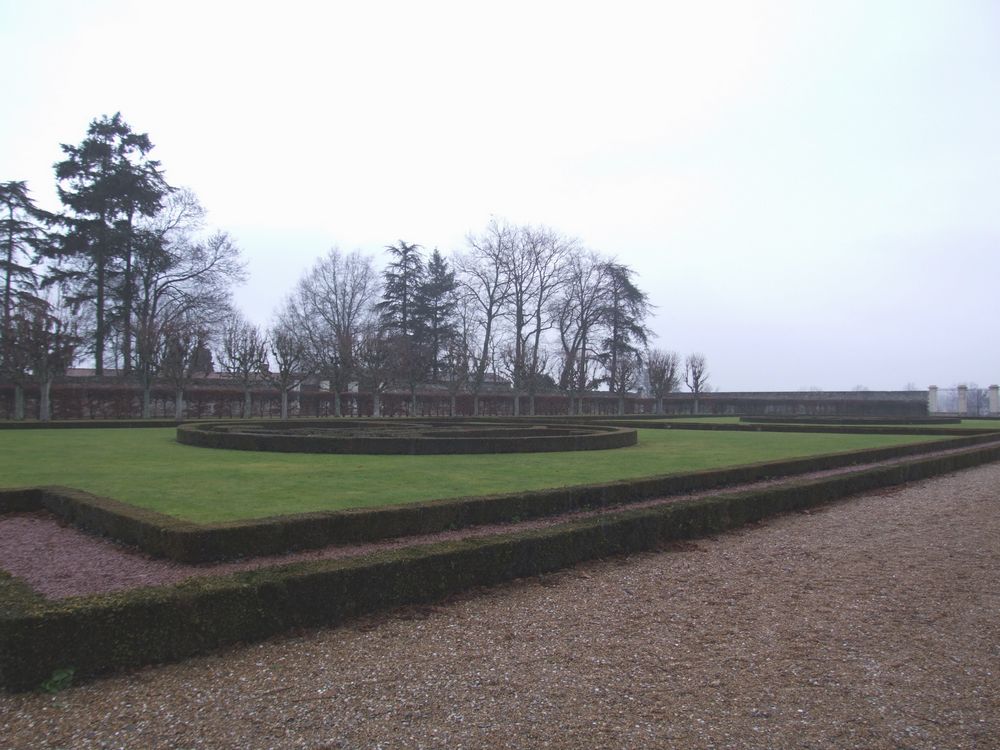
(59, 561)
(871, 623)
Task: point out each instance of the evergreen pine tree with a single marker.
(624, 319)
(436, 304)
(106, 183)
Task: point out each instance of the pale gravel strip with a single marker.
(59, 561)
(871, 623)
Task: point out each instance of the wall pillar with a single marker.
(995, 400)
(963, 400)
(932, 399)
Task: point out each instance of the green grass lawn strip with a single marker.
(978, 424)
(148, 468)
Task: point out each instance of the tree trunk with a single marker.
(8, 305)
(99, 332)
(44, 406)
(517, 403)
(337, 410)
(621, 404)
(413, 400)
(475, 404)
(179, 404)
(376, 406)
(146, 388)
(454, 400)
(531, 404)
(284, 403)
(127, 303)
(247, 404)
(659, 404)
(18, 401)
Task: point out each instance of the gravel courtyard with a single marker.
(870, 623)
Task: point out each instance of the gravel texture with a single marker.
(870, 623)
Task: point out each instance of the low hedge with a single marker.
(242, 436)
(165, 536)
(88, 424)
(852, 420)
(836, 429)
(98, 634)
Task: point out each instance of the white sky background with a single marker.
(809, 191)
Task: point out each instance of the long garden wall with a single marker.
(109, 398)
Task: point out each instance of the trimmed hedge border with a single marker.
(124, 630)
(244, 435)
(89, 424)
(164, 536)
(836, 429)
(852, 420)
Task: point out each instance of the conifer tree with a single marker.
(400, 315)
(436, 302)
(106, 183)
(624, 314)
(403, 277)
(23, 236)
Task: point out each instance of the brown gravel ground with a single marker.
(870, 623)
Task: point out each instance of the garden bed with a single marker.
(101, 633)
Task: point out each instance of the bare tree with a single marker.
(663, 371)
(535, 265)
(243, 354)
(483, 279)
(331, 305)
(977, 400)
(45, 343)
(183, 287)
(290, 351)
(186, 355)
(375, 361)
(457, 362)
(696, 376)
(579, 310)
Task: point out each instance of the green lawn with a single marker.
(148, 468)
(979, 424)
(716, 420)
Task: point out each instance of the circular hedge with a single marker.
(416, 437)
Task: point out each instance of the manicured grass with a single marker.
(976, 424)
(148, 468)
(979, 424)
(716, 420)
(982, 424)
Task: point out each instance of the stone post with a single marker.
(995, 400)
(963, 400)
(932, 402)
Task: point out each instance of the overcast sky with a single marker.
(809, 191)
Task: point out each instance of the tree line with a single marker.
(128, 276)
